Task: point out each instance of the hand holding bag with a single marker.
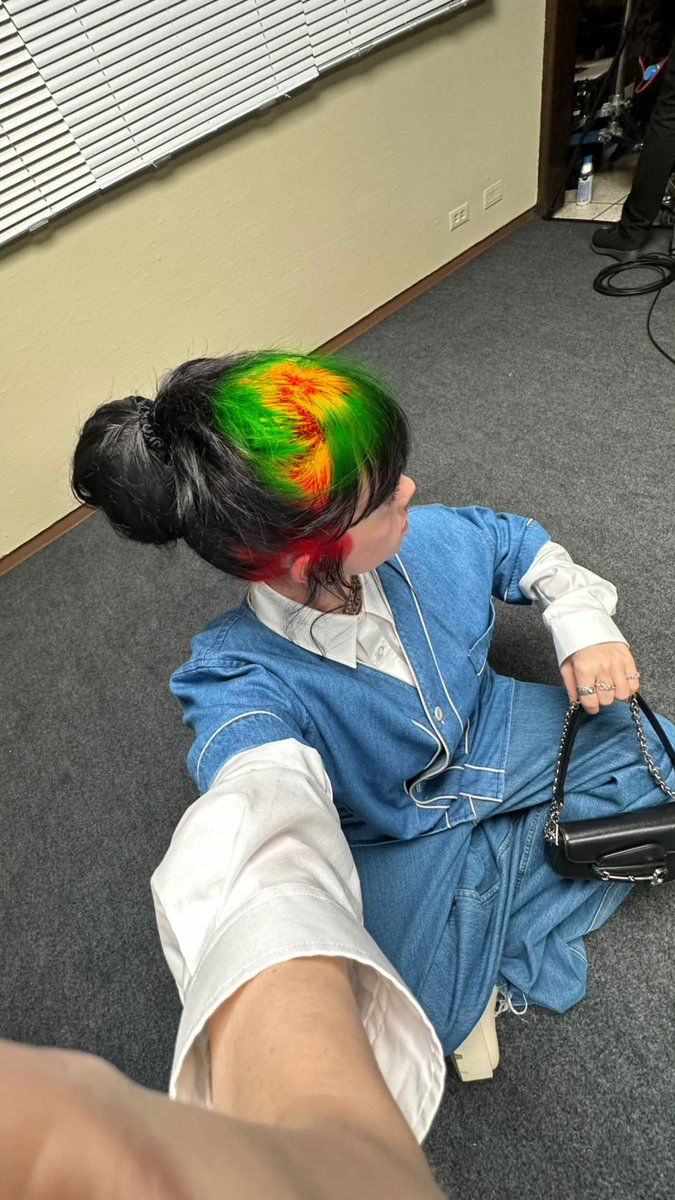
(633, 847)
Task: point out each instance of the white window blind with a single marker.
(92, 91)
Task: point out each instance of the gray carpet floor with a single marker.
(529, 393)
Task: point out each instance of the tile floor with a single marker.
(610, 189)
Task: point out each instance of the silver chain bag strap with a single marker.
(632, 847)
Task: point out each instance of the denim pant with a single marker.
(459, 911)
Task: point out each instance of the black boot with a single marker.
(616, 241)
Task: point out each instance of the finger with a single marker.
(584, 679)
(631, 669)
(605, 674)
(626, 665)
(622, 689)
(567, 672)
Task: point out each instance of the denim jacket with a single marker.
(441, 748)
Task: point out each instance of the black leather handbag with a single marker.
(634, 847)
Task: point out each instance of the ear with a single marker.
(298, 569)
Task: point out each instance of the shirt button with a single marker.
(438, 713)
(379, 652)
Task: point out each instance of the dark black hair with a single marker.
(184, 478)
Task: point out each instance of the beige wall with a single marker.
(280, 232)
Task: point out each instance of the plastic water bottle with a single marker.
(585, 184)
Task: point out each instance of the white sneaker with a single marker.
(478, 1055)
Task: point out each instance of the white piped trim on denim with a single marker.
(475, 767)
(426, 634)
(412, 672)
(256, 712)
(470, 795)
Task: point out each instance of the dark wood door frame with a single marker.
(560, 41)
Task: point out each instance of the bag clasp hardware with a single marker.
(655, 877)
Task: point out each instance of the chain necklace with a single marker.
(353, 605)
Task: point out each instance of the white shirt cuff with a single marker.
(575, 631)
(575, 603)
(405, 1044)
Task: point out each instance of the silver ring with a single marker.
(589, 691)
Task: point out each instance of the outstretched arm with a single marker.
(288, 1099)
(72, 1127)
(289, 1050)
(293, 1018)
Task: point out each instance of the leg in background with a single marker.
(652, 174)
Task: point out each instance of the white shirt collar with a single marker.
(336, 633)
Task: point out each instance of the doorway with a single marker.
(603, 61)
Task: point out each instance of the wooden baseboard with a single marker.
(28, 549)
(83, 511)
(429, 281)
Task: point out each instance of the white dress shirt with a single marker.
(259, 870)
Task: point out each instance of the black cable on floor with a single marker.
(664, 267)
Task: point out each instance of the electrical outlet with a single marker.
(493, 194)
(459, 215)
